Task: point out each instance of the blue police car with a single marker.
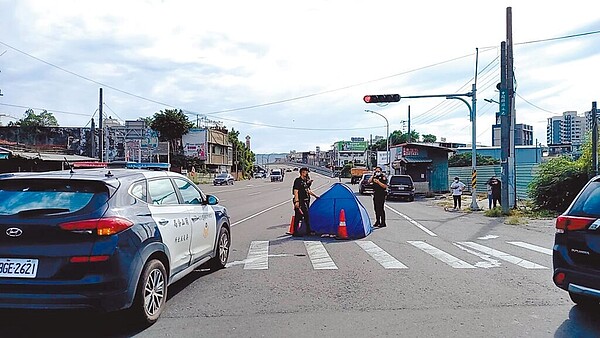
(104, 239)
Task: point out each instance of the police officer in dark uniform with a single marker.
(302, 192)
(379, 181)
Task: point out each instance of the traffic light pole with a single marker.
(472, 114)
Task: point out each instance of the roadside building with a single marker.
(354, 151)
(427, 165)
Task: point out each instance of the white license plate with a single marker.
(18, 267)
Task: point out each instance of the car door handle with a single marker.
(163, 222)
(195, 218)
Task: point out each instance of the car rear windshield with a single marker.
(33, 197)
(588, 203)
(401, 180)
(222, 176)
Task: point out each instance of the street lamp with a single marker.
(387, 138)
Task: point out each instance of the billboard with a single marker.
(194, 143)
(352, 146)
(382, 158)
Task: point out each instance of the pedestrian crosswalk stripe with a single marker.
(488, 262)
(385, 259)
(532, 247)
(258, 256)
(441, 255)
(319, 257)
(503, 256)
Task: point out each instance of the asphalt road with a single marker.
(429, 273)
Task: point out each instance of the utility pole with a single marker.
(100, 128)
(474, 204)
(504, 129)
(510, 77)
(93, 139)
(408, 124)
(594, 139)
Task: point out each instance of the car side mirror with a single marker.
(212, 200)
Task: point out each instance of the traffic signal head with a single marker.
(381, 98)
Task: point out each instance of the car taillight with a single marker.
(572, 223)
(89, 259)
(101, 226)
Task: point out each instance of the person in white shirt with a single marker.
(457, 188)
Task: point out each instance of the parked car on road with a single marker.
(576, 251)
(401, 186)
(104, 239)
(260, 174)
(365, 187)
(223, 179)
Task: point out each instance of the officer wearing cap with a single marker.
(379, 182)
(301, 191)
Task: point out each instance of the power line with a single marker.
(559, 38)
(239, 108)
(484, 49)
(48, 110)
(538, 107)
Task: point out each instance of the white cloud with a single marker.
(214, 56)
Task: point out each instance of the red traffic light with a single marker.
(381, 98)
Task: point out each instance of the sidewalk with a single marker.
(445, 201)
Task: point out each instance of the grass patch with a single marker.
(516, 220)
(495, 212)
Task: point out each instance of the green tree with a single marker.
(148, 120)
(464, 160)
(171, 124)
(243, 158)
(429, 138)
(398, 137)
(33, 120)
(34, 125)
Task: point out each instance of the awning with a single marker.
(51, 157)
(414, 160)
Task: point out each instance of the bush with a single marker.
(557, 183)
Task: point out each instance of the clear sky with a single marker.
(292, 74)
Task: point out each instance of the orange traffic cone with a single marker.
(291, 231)
(342, 232)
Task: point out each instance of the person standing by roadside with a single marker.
(379, 182)
(302, 192)
(495, 186)
(457, 188)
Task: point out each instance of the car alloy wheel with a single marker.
(222, 250)
(151, 293)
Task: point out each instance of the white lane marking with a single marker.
(532, 247)
(441, 255)
(385, 259)
(488, 262)
(417, 224)
(503, 256)
(488, 237)
(258, 256)
(260, 212)
(244, 261)
(319, 257)
(254, 193)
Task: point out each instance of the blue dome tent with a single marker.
(325, 213)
